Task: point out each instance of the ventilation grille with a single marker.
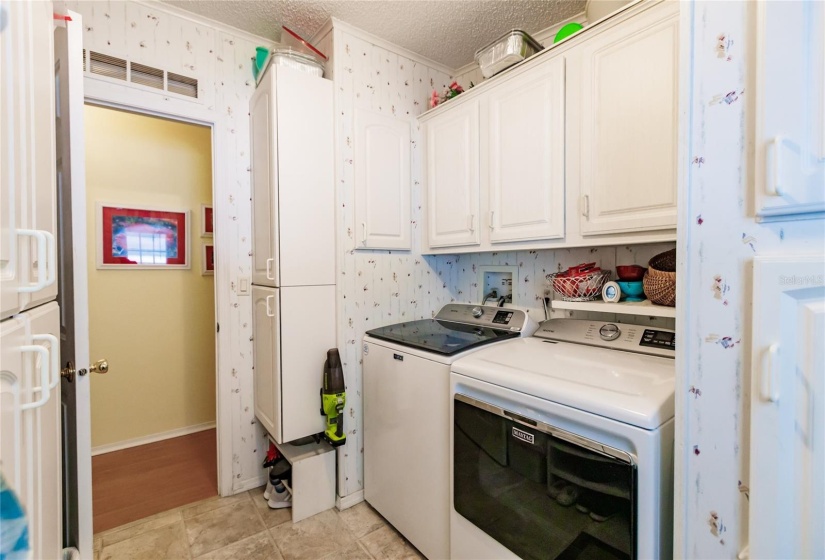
(148, 76)
(120, 69)
(182, 85)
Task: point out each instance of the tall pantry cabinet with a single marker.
(293, 247)
(30, 442)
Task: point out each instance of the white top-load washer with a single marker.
(407, 413)
(562, 445)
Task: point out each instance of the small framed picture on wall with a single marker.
(141, 238)
(208, 260)
(207, 222)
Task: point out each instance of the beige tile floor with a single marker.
(242, 527)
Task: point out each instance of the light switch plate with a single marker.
(243, 286)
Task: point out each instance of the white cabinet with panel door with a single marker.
(28, 219)
(452, 175)
(790, 110)
(382, 181)
(523, 147)
(628, 124)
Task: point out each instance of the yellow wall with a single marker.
(156, 327)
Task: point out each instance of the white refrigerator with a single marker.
(293, 248)
(30, 442)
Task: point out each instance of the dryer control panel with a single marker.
(617, 336)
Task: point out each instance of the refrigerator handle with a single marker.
(44, 375)
(54, 352)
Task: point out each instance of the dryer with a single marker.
(562, 445)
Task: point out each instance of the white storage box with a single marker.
(289, 57)
(511, 48)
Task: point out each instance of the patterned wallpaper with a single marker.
(221, 62)
(722, 239)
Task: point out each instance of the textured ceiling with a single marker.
(447, 31)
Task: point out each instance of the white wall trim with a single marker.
(250, 484)
(346, 502)
(151, 438)
(384, 44)
(202, 20)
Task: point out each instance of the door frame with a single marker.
(116, 96)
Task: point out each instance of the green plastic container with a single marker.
(261, 54)
(567, 31)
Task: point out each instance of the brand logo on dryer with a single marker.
(524, 436)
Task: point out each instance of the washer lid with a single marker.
(632, 388)
(442, 337)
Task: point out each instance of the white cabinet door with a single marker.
(524, 130)
(264, 146)
(30, 442)
(790, 113)
(382, 181)
(628, 124)
(453, 212)
(266, 358)
(787, 447)
(28, 264)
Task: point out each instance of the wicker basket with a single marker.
(660, 279)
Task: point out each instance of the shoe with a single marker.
(604, 507)
(269, 490)
(555, 489)
(280, 500)
(568, 495)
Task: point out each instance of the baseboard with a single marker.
(250, 483)
(349, 500)
(152, 438)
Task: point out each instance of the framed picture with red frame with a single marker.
(207, 221)
(142, 238)
(208, 260)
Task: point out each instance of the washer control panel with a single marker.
(617, 336)
(502, 318)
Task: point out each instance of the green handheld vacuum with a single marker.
(333, 397)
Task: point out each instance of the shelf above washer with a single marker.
(645, 307)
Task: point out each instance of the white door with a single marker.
(266, 358)
(30, 427)
(525, 154)
(264, 146)
(628, 123)
(787, 487)
(382, 181)
(453, 211)
(70, 164)
(790, 109)
(27, 197)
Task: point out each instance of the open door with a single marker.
(73, 283)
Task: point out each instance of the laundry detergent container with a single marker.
(527, 451)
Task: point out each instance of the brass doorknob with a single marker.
(68, 372)
(100, 366)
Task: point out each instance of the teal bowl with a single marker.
(632, 291)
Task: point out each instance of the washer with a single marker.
(562, 445)
(407, 414)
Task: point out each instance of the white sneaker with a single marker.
(280, 500)
(269, 490)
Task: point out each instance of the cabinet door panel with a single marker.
(264, 144)
(790, 99)
(453, 177)
(266, 359)
(526, 155)
(629, 115)
(382, 182)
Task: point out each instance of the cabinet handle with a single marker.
(472, 223)
(269, 269)
(363, 233)
(44, 376)
(586, 206)
(269, 312)
(46, 256)
(768, 384)
(774, 186)
(492, 215)
(54, 353)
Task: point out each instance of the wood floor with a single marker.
(142, 481)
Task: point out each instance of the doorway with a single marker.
(151, 313)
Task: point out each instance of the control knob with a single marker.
(609, 332)
(477, 312)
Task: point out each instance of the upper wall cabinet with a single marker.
(524, 131)
(382, 182)
(628, 121)
(790, 110)
(453, 211)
